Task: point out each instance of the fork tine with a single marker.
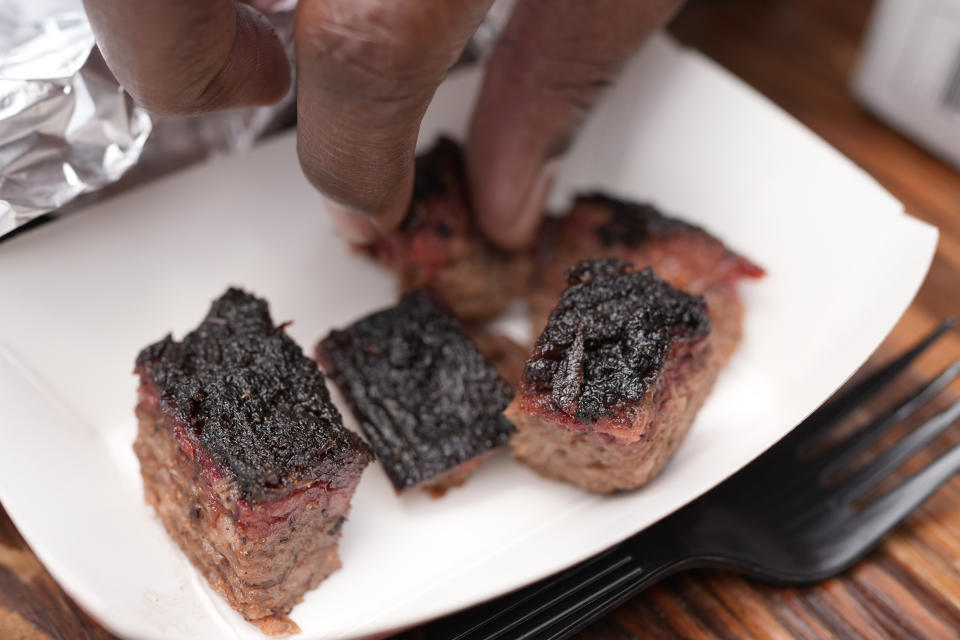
(877, 518)
(844, 452)
(838, 407)
(866, 478)
(815, 476)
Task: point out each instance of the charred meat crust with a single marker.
(252, 401)
(632, 223)
(618, 375)
(440, 172)
(439, 245)
(607, 338)
(689, 256)
(427, 400)
(622, 224)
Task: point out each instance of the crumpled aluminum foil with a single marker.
(66, 126)
(68, 129)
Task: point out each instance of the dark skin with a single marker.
(366, 71)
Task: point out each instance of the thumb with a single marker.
(551, 65)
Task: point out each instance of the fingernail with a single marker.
(354, 226)
(528, 216)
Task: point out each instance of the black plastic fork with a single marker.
(786, 517)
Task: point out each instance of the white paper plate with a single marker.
(81, 296)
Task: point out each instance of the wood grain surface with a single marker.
(799, 53)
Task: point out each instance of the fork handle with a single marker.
(558, 606)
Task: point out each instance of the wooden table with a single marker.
(799, 53)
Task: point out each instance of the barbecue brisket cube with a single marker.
(439, 245)
(615, 379)
(427, 400)
(245, 459)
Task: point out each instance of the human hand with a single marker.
(366, 71)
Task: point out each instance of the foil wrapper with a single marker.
(65, 126)
(68, 130)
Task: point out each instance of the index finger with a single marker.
(366, 71)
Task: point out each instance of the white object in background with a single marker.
(909, 73)
(89, 291)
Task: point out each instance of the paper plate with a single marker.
(81, 296)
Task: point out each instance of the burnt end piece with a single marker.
(633, 223)
(245, 459)
(616, 378)
(428, 401)
(440, 247)
(607, 339)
